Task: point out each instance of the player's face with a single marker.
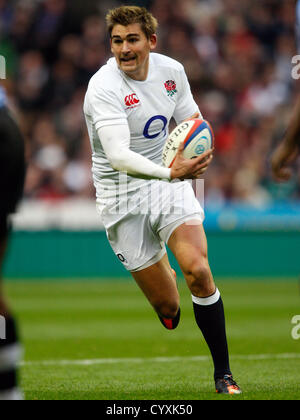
(131, 48)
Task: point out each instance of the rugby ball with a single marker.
(197, 135)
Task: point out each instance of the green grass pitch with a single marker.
(88, 340)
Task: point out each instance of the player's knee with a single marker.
(166, 308)
(200, 279)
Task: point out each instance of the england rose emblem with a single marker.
(170, 86)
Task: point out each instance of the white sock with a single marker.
(210, 300)
(11, 395)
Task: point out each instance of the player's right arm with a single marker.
(115, 140)
(287, 152)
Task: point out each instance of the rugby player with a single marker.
(288, 150)
(128, 107)
(12, 173)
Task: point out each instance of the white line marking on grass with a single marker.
(92, 362)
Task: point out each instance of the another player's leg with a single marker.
(12, 174)
(10, 350)
(189, 245)
(158, 283)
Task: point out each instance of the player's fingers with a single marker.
(204, 156)
(209, 159)
(180, 149)
(204, 163)
(201, 169)
(199, 174)
(277, 163)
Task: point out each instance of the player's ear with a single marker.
(153, 42)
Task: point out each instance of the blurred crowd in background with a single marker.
(237, 55)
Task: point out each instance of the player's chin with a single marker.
(129, 66)
(129, 70)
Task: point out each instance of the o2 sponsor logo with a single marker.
(147, 129)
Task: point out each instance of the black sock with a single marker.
(10, 352)
(209, 314)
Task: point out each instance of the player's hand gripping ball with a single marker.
(197, 135)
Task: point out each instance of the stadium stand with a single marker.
(237, 56)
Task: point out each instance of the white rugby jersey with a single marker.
(113, 98)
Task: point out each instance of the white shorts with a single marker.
(139, 224)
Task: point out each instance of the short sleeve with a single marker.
(104, 108)
(186, 105)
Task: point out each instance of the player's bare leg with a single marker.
(189, 245)
(158, 283)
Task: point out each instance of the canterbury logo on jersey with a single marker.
(131, 101)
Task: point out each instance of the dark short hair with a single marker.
(127, 15)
